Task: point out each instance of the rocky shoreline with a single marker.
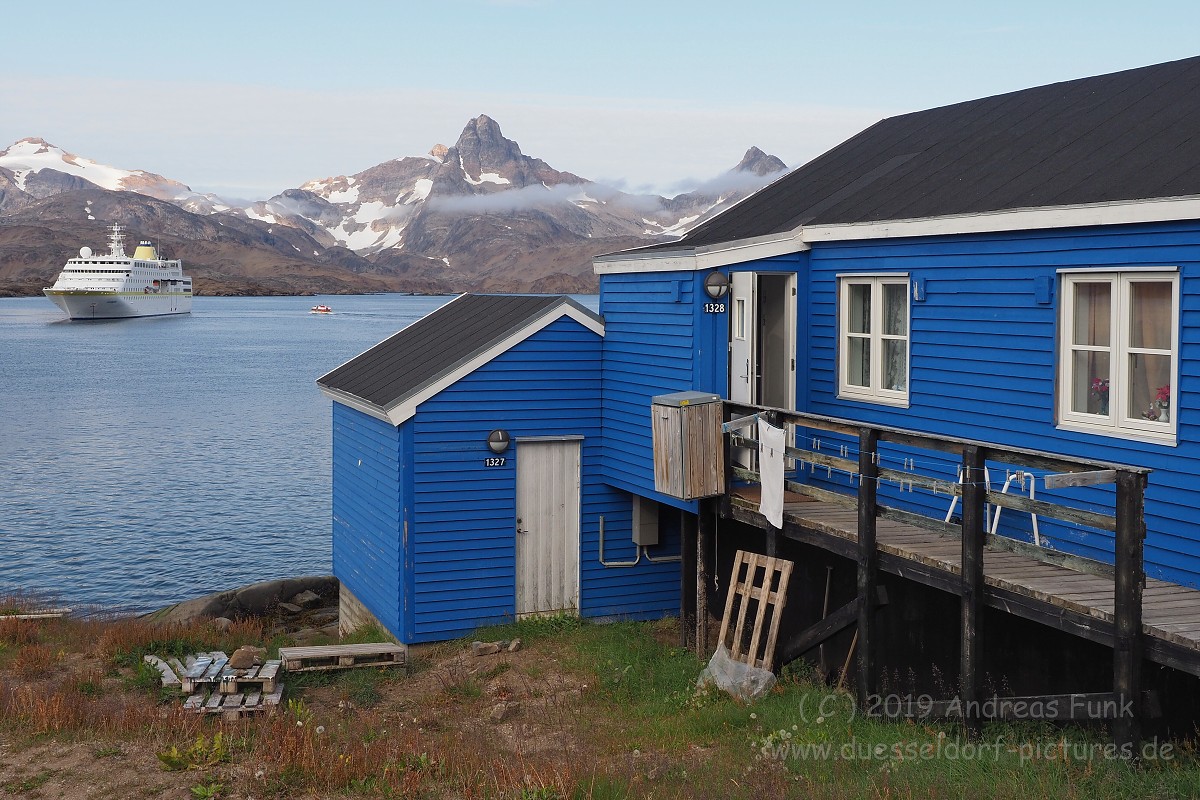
(305, 608)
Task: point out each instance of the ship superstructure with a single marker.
(117, 285)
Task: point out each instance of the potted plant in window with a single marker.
(1099, 393)
(1162, 399)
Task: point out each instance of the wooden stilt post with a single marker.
(705, 523)
(1127, 590)
(688, 579)
(974, 529)
(868, 561)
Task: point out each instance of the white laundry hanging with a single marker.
(770, 471)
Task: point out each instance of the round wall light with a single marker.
(498, 441)
(716, 285)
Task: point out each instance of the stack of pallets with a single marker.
(214, 687)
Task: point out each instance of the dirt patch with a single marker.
(506, 709)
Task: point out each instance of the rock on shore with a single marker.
(255, 600)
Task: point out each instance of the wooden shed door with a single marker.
(547, 526)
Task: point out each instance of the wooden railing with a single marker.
(1126, 521)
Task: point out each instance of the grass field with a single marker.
(580, 711)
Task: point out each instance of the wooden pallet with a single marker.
(764, 595)
(343, 656)
(206, 669)
(261, 677)
(212, 669)
(232, 706)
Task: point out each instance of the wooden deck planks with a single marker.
(1170, 612)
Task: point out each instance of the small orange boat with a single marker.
(321, 309)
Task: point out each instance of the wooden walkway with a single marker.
(1077, 602)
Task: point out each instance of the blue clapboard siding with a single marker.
(464, 513)
(645, 591)
(984, 355)
(368, 512)
(649, 349)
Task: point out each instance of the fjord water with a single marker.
(146, 461)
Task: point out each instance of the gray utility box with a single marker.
(689, 453)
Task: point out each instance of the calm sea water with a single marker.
(146, 461)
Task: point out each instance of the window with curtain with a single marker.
(1118, 353)
(873, 338)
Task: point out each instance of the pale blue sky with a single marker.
(250, 98)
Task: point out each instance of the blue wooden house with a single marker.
(466, 479)
(992, 303)
(1018, 269)
(1011, 274)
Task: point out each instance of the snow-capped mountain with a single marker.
(480, 214)
(480, 208)
(38, 169)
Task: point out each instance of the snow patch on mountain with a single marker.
(487, 177)
(28, 157)
(421, 190)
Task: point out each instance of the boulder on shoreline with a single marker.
(255, 600)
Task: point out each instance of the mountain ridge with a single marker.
(477, 215)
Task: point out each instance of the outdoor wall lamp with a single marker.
(498, 441)
(716, 285)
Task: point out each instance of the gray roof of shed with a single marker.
(1131, 135)
(436, 345)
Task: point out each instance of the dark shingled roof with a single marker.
(437, 344)
(1130, 135)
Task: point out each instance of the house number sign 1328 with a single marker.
(714, 308)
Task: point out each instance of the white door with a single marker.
(743, 322)
(547, 526)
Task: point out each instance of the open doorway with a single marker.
(762, 345)
(762, 339)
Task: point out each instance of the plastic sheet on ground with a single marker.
(743, 681)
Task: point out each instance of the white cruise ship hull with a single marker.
(80, 304)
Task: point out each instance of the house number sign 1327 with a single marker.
(494, 461)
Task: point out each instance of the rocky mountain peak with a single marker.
(30, 145)
(439, 151)
(482, 148)
(759, 163)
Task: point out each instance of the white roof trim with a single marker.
(407, 407)
(705, 257)
(1165, 209)
(1124, 212)
(357, 403)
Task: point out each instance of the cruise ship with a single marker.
(114, 286)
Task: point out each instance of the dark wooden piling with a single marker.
(689, 580)
(868, 560)
(706, 523)
(974, 531)
(1128, 644)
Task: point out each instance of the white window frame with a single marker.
(1117, 423)
(874, 393)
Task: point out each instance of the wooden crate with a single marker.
(343, 656)
(689, 454)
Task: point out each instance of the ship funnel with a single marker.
(146, 252)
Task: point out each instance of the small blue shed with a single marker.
(434, 531)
